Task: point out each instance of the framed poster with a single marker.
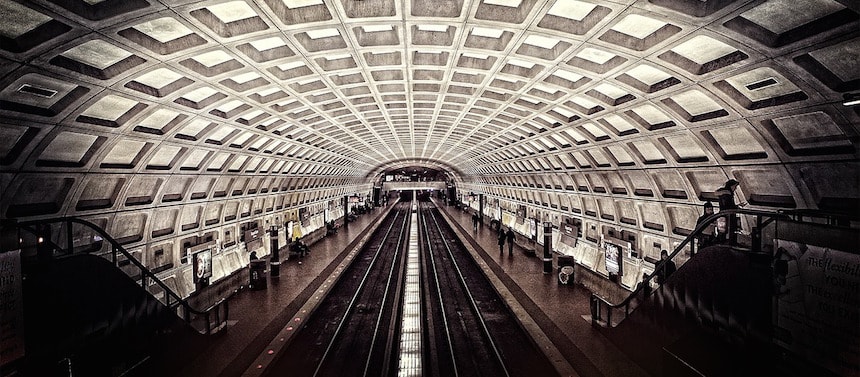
(253, 239)
(612, 253)
(569, 234)
(202, 265)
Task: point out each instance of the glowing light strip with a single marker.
(410, 322)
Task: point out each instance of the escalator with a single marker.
(711, 318)
(91, 308)
(722, 313)
(84, 311)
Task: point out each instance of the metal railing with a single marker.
(214, 316)
(602, 309)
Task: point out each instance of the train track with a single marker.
(456, 324)
(475, 332)
(350, 333)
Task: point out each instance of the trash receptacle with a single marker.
(565, 269)
(258, 274)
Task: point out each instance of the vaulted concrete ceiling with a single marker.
(347, 88)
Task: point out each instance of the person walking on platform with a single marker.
(475, 220)
(510, 236)
(501, 242)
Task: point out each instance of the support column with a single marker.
(275, 262)
(481, 208)
(547, 247)
(345, 211)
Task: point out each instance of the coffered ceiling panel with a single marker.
(348, 87)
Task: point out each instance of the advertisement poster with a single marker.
(568, 234)
(11, 308)
(253, 239)
(818, 305)
(202, 265)
(612, 253)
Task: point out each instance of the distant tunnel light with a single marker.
(851, 99)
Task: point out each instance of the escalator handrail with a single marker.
(117, 247)
(706, 222)
(799, 214)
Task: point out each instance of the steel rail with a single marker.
(379, 316)
(435, 275)
(355, 297)
(472, 301)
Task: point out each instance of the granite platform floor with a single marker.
(258, 316)
(557, 309)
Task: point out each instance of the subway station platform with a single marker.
(557, 309)
(257, 316)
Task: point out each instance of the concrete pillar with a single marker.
(481, 207)
(547, 247)
(345, 211)
(275, 262)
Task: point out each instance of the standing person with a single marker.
(510, 236)
(501, 241)
(707, 236)
(668, 268)
(726, 200)
(475, 220)
(646, 287)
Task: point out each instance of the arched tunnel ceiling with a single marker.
(344, 88)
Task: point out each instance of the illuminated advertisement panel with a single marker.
(202, 265)
(612, 253)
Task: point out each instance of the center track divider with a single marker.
(270, 353)
(410, 363)
(562, 366)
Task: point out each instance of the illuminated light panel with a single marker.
(574, 10)
(487, 33)
(476, 55)
(433, 28)
(232, 11)
(595, 55)
(213, 58)
(164, 29)
(158, 78)
(638, 26)
(97, 53)
(267, 43)
(376, 28)
(25, 18)
(702, 49)
(542, 42)
(295, 4)
(504, 3)
(568, 75)
(522, 63)
(245, 77)
(291, 65)
(323, 33)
